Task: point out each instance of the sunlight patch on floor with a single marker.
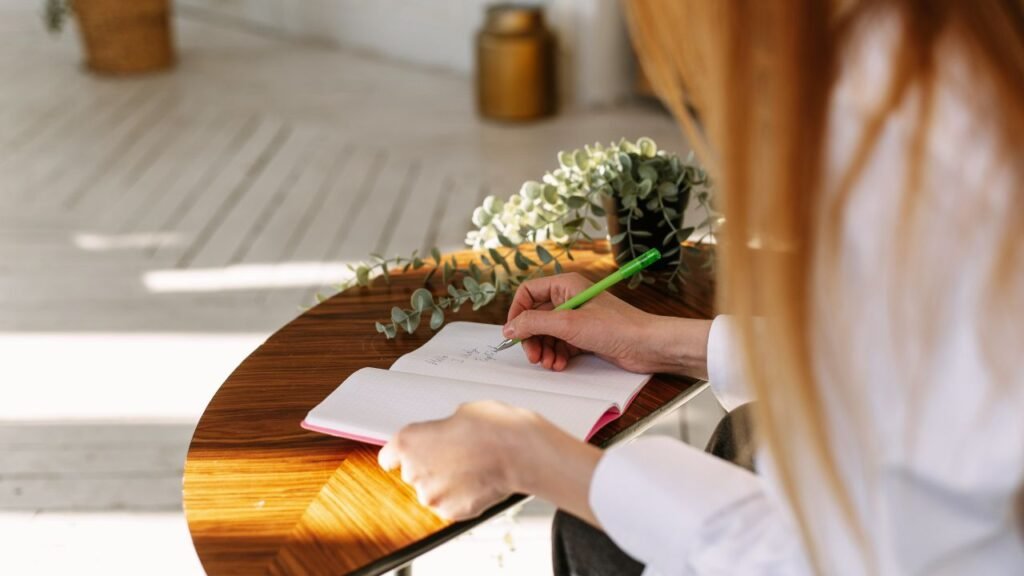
(104, 543)
(247, 277)
(155, 377)
(91, 242)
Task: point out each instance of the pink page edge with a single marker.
(340, 434)
(610, 415)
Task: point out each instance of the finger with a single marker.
(409, 474)
(506, 330)
(561, 356)
(428, 497)
(555, 289)
(388, 457)
(549, 352)
(533, 349)
(562, 324)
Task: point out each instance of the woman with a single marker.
(869, 158)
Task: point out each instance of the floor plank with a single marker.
(283, 163)
(193, 174)
(208, 202)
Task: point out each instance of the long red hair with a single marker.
(760, 75)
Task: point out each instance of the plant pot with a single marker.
(646, 224)
(125, 36)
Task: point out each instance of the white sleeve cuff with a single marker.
(654, 495)
(725, 364)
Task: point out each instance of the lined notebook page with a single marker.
(464, 351)
(373, 404)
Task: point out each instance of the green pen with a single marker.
(627, 270)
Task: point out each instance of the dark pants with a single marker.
(579, 549)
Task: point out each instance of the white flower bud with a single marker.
(481, 217)
(493, 204)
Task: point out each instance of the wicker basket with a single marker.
(126, 36)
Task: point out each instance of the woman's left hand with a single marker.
(464, 464)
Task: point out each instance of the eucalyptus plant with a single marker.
(533, 232)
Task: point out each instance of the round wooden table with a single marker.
(264, 496)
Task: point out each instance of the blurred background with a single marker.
(179, 177)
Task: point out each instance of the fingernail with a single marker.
(508, 331)
(386, 458)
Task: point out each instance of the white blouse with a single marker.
(930, 444)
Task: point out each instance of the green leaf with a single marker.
(647, 146)
(550, 194)
(635, 281)
(544, 255)
(644, 188)
(496, 255)
(363, 275)
(380, 327)
(581, 159)
(417, 263)
(412, 321)
(566, 160)
(421, 299)
(485, 260)
(436, 254)
(471, 285)
(669, 238)
(436, 318)
(597, 209)
(505, 241)
(483, 295)
(558, 267)
(521, 261)
(647, 173)
(576, 202)
(574, 224)
(398, 315)
(684, 234)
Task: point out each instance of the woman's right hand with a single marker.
(606, 326)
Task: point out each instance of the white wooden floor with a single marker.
(154, 230)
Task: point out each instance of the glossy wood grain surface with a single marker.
(264, 496)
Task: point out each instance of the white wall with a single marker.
(595, 60)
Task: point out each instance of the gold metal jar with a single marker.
(515, 68)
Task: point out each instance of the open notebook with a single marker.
(459, 365)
